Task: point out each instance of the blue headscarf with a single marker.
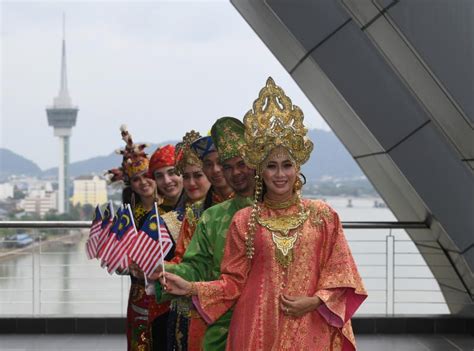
(203, 146)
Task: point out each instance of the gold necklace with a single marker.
(276, 205)
(280, 228)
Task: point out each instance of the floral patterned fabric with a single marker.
(186, 328)
(322, 266)
(202, 261)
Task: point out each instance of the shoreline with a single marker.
(73, 237)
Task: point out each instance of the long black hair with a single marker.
(129, 196)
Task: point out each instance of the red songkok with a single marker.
(162, 157)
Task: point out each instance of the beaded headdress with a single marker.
(185, 154)
(228, 136)
(274, 122)
(134, 159)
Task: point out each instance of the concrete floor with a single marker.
(370, 342)
(409, 342)
(52, 342)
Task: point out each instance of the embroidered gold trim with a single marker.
(284, 243)
(317, 215)
(283, 224)
(280, 228)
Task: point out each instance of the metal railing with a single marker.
(86, 224)
(53, 276)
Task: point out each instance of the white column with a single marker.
(61, 178)
(390, 275)
(66, 174)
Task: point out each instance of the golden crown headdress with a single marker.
(185, 154)
(274, 121)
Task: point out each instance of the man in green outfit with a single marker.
(202, 260)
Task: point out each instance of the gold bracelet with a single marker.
(192, 290)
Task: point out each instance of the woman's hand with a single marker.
(156, 274)
(136, 271)
(174, 284)
(296, 306)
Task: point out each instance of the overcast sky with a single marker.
(162, 68)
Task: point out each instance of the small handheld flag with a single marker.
(161, 245)
(152, 245)
(107, 221)
(94, 232)
(124, 238)
(109, 242)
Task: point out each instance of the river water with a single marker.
(58, 279)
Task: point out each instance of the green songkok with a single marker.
(228, 136)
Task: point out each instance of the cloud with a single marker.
(160, 67)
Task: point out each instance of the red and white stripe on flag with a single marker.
(94, 232)
(147, 253)
(102, 238)
(110, 239)
(119, 251)
(107, 249)
(93, 240)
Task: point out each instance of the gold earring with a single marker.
(298, 184)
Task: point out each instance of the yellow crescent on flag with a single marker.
(153, 225)
(127, 219)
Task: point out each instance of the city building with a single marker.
(40, 201)
(6, 191)
(90, 190)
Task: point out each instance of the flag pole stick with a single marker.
(135, 227)
(131, 217)
(161, 242)
(111, 207)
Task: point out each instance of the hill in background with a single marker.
(329, 159)
(14, 164)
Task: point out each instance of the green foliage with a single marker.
(87, 212)
(76, 213)
(18, 194)
(6, 231)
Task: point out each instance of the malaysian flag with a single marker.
(93, 240)
(110, 240)
(152, 245)
(107, 221)
(124, 239)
